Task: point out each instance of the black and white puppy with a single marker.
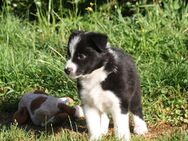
(108, 84)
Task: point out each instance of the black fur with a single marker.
(122, 78)
(124, 83)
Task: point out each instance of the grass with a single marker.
(33, 54)
(15, 133)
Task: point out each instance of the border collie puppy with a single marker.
(108, 85)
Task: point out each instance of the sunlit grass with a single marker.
(33, 54)
(15, 133)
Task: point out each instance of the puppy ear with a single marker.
(98, 40)
(75, 33)
(21, 116)
(72, 36)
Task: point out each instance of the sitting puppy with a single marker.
(43, 109)
(107, 83)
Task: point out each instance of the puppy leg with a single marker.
(140, 126)
(93, 122)
(104, 123)
(136, 108)
(121, 126)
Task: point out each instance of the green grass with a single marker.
(33, 54)
(14, 133)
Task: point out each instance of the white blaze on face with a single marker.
(72, 45)
(72, 48)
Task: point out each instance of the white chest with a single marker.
(92, 94)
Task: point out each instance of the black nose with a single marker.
(68, 70)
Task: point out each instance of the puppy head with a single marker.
(85, 52)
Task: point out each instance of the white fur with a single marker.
(93, 122)
(73, 66)
(98, 103)
(104, 123)
(72, 44)
(140, 127)
(70, 64)
(121, 125)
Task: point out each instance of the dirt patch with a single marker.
(164, 129)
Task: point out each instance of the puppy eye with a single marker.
(81, 57)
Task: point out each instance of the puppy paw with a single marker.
(141, 129)
(94, 138)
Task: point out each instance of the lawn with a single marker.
(33, 54)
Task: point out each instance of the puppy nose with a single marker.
(68, 70)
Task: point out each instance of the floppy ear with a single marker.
(98, 40)
(21, 116)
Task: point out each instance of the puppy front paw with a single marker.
(94, 138)
(141, 129)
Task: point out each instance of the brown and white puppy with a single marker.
(43, 109)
